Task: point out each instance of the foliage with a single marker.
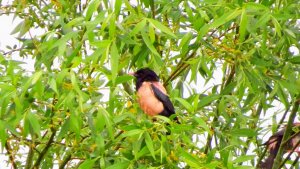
(226, 65)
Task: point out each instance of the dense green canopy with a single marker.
(231, 69)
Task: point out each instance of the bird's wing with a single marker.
(161, 96)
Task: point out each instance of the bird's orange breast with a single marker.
(147, 100)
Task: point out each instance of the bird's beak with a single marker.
(132, 73)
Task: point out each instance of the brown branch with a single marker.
(46, 148)
(283, 117)
(51, 139)
(254, 115)
(108, 144)
(215, 119)
(295, 162)
(259, 161)
(65, 161)
(180, 68)
(289, 155)
(10, 155)
(287, 132)
(12, 51)
(29, 157)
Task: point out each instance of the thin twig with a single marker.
(295, 162)
(215, 119)
(29, 157)
(10, 155)
(182, 65)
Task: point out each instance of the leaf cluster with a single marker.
(228, 67)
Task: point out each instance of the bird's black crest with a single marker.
(145, 75)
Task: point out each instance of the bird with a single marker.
(274, 142)
(152, 95)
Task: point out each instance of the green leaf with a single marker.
(204, 29)
(149, 144)
(143, 152)
(3, 135)
(263, 20)
(23, 27)
(243, 25)
(202, 123)
(243, 132)
(118, 4)
(225, 18)
(161, 27)
(295, 60)
(283, 96)
(64, 129)
(138, 27)
(132, 132)
(207, 100)
(101, 43)
(229, 88)
(74, 82)
(256, 6)
(112, 27)
(119, 165)
(108, 121)
(291, 87)
(75, 22)
(92, 7)
(120, 80)
(31, 81)
(88, 163)
(99, 122)
(75, 125)
(18, 27)
(253, 79)
(185, 39)
(244, 158)
(186, 104)
(277, 26)
(100, 144)
(36, 76)
(34, 123)
(164, 118)
(290, 33)
(114, 62)
(244, 167)
(149, 44)
(62, 41)
(192, 161)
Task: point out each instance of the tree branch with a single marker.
(289, 155)
(287, 133)
(65, 161)
(43, 153)
(10, 155)
(215, 119)
(29, 157)
(295, 162)
(180, 67)
(259, 161)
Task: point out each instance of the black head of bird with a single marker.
(144, 75)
